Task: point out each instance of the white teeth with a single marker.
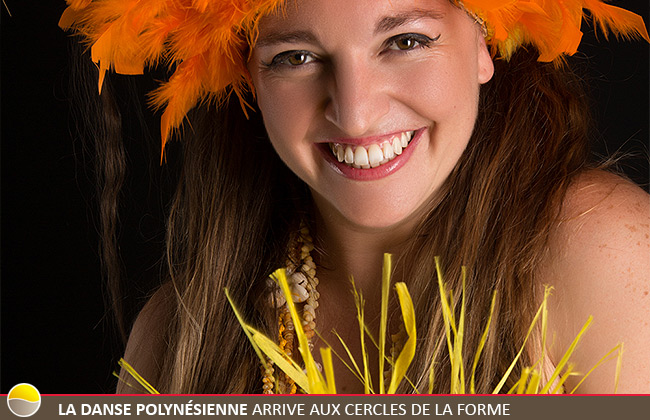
(397, 146)
(340, 153)
(388, 150)
(405, 140)
(374, 155)
(349, 155)
(360, 156)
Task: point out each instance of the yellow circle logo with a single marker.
(24, 400)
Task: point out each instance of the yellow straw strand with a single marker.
(350, 356)
(245, 327)
(317, 383)
(458, 373)
(385, 288)
(522, 381)
(124, 381)
(328, 368)
(280, 359)
(446, 311)
(481, 344)
(566, 356)
(360, 303)
(533, 385)
(560, 383)
(542, 358)
(129, 369)
(602, 360)
(406, 355)
(619, 365)
(521, 350)
(431, 376)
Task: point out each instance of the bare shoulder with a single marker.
(599, 264)
(147, 341)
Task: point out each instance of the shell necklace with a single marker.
(301, 276)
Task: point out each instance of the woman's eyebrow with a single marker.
(388, 23)
(385, 24)
(286, 37)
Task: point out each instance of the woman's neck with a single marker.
(352, 251)
(357, 251)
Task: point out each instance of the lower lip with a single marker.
(370, 174)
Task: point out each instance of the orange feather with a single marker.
(621, 22)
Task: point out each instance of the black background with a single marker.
(55, 333)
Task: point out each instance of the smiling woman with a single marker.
(421, 128)
(397, 84)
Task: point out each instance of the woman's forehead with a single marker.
(332, 16)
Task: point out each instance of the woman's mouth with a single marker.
(371, 155)
(371, 160)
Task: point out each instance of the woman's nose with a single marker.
(358, 98)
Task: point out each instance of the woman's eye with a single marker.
(292, 59)
(406, 42)
(297, 58)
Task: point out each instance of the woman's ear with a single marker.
(485, 64)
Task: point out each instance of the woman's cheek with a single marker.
(286, 105)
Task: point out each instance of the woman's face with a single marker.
(370, 102)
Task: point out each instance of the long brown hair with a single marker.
(494, 215)
(236, 203)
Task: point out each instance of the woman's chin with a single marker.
(373, 209)
(374, 219)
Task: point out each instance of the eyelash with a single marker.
(281, 60)
(422, 41)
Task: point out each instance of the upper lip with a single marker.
(365, 141)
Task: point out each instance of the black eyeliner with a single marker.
(281, 58)
(422, 39)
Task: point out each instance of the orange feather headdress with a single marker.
(204, 40)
